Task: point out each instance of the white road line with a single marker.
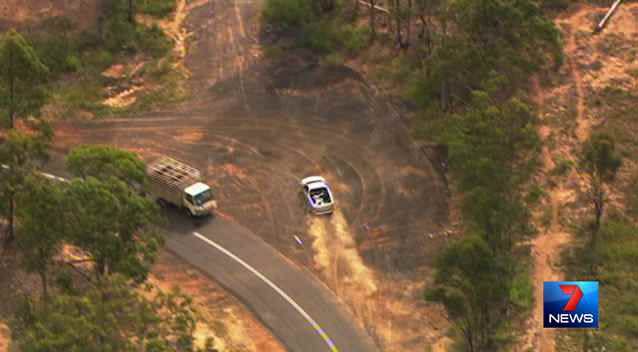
(47, 175)
(272, 285)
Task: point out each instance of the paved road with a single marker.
(300, 310)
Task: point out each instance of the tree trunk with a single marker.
(408, 22)
(45, 287)
(444, 95)
(598, 199)
(131, 11)
(397, 18)
(10, 229)
(11, 91)
(599, 206)
(373, 30)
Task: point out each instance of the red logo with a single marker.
(575, 293)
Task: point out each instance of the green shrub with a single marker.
(120, 35)
(334, 59)
(555, 4)
(356, 39)
(318, 36)
(152, 40)
(522, 290)
(156, 8)
(83, 94)
(288, 13)
(273, 51)
(98, 59)
(563, 166)
(73, 63)
(54, 51)
(535, 194)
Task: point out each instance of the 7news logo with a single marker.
(570, 304)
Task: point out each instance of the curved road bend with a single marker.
(299, 310)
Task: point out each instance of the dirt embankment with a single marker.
(566, 105)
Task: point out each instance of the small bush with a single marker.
(320, 36)
(73, 63)
(522, 290)
(120, 35)
(535, 194)
(153, 41)
(356, 39)
(156, 8)
(54, 52)
(274, 51)
(83, 94)
(98, 59)
(556, 5)
(563, 166)
(334, 59)
(288, 13)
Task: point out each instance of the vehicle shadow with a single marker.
(177, 221)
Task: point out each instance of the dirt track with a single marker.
(569, 116)
(257, 127)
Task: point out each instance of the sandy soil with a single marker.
(567, 121)
(222, 316)
(5, 338)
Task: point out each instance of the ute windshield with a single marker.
(203, 197)
(320, 196)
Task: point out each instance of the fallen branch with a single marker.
(611, 11)
(376, 7)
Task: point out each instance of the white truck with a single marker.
(174, 182)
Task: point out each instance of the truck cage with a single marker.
(173, 172)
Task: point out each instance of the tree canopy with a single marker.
(21, 94)
(114, 225)
(109, 317)
(469, 276)
(103, 162)
(41, 226)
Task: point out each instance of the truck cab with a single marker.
(198, 198)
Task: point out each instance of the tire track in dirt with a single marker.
(546, 247)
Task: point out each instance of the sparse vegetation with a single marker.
(96, 298)
(327, 32)
(614, 257)
(158, 8)
(600, 161)
(77, 60)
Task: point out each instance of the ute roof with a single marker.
(313, 179)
